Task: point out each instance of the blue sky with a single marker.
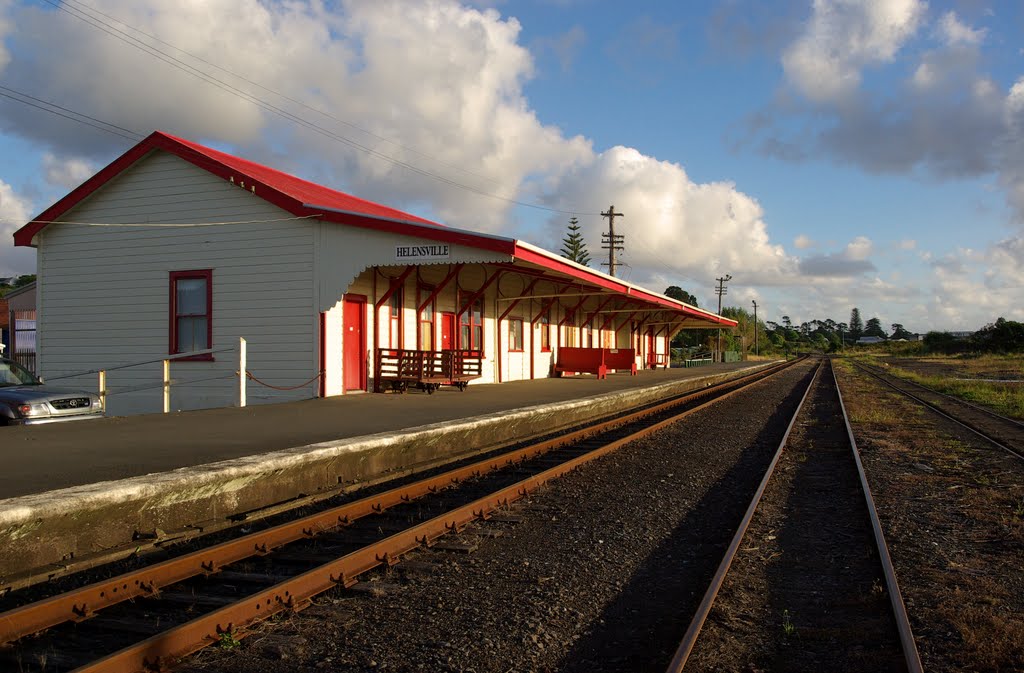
(826, 154)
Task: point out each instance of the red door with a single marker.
(652, 358)
(447, 330)
(355, 342)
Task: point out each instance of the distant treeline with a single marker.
(1002, 336)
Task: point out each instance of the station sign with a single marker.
(422, 253)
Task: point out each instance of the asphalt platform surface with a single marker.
(49, 457)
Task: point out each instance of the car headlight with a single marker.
(96, 404)
(34, 410)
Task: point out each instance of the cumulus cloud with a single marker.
(436, 86)
(851, 261)
(947, 116)
(952, 31)
(803, 242)
(14, 212)
(672, 225)
(66, 173)
(843, 37)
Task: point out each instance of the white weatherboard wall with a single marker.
(104, 291)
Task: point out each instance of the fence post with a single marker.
(241, 371)
(167, 386)
(103, 389)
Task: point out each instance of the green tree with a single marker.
(899, 332)
(856, 330)
(573, 245)
(1003, 336)
(679, 294)
(874, 328)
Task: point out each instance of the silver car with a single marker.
(25, 400)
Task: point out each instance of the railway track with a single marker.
(807, 573)
(149, 618)
(1003, 432)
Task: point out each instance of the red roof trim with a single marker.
(605, 282)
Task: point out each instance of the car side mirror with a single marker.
(41, 379)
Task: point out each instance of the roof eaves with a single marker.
(430, 230)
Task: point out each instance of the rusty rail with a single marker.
(82, 603)
(899, 609)
(945, 414)
(911, 656)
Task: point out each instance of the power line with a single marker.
(79, 117)
(273, 109)
(285, 96)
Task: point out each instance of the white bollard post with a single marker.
(103, 390)
(241, 371)
(167, 386)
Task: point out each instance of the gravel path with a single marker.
(601, 574)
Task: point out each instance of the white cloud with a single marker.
(842, 38)
(907, 244)
(67, 173)
(948, 117)
(952, 31)
(673, 227)
(803, 242)
(14, 212)
(859, 248)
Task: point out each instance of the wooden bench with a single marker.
(594, 361)
(427, 370)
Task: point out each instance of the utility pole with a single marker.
(755, 327)
(610, 241)
(720, 290)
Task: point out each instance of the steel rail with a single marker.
(938, 410)
(164, 649)
(874, 370)
(682, 653)
(82, 603)
(899, 609)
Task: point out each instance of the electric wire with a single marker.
(273, 109)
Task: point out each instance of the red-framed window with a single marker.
(395, 304)
(426, 318)
(471, 325)
(191, 312)
(545, 333)
(515, 335)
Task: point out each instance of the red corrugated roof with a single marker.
(283, 190)
(303, 191)
(303, 198)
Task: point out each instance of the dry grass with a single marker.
(992, 641)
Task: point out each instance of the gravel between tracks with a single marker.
(601, 575)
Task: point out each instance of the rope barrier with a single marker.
(250, 375)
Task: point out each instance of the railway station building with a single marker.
(176, 247)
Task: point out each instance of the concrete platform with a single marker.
(74, 491)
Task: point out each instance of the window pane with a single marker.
(191, 296)
(464, 338)
(396, 303)
(192, 334)
(478, 338)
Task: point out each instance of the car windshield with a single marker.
(13, 374)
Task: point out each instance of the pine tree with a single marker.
(573, 245)
(856, 324)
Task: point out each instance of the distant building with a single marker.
(870, 340)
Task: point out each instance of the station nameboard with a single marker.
(422, 253)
